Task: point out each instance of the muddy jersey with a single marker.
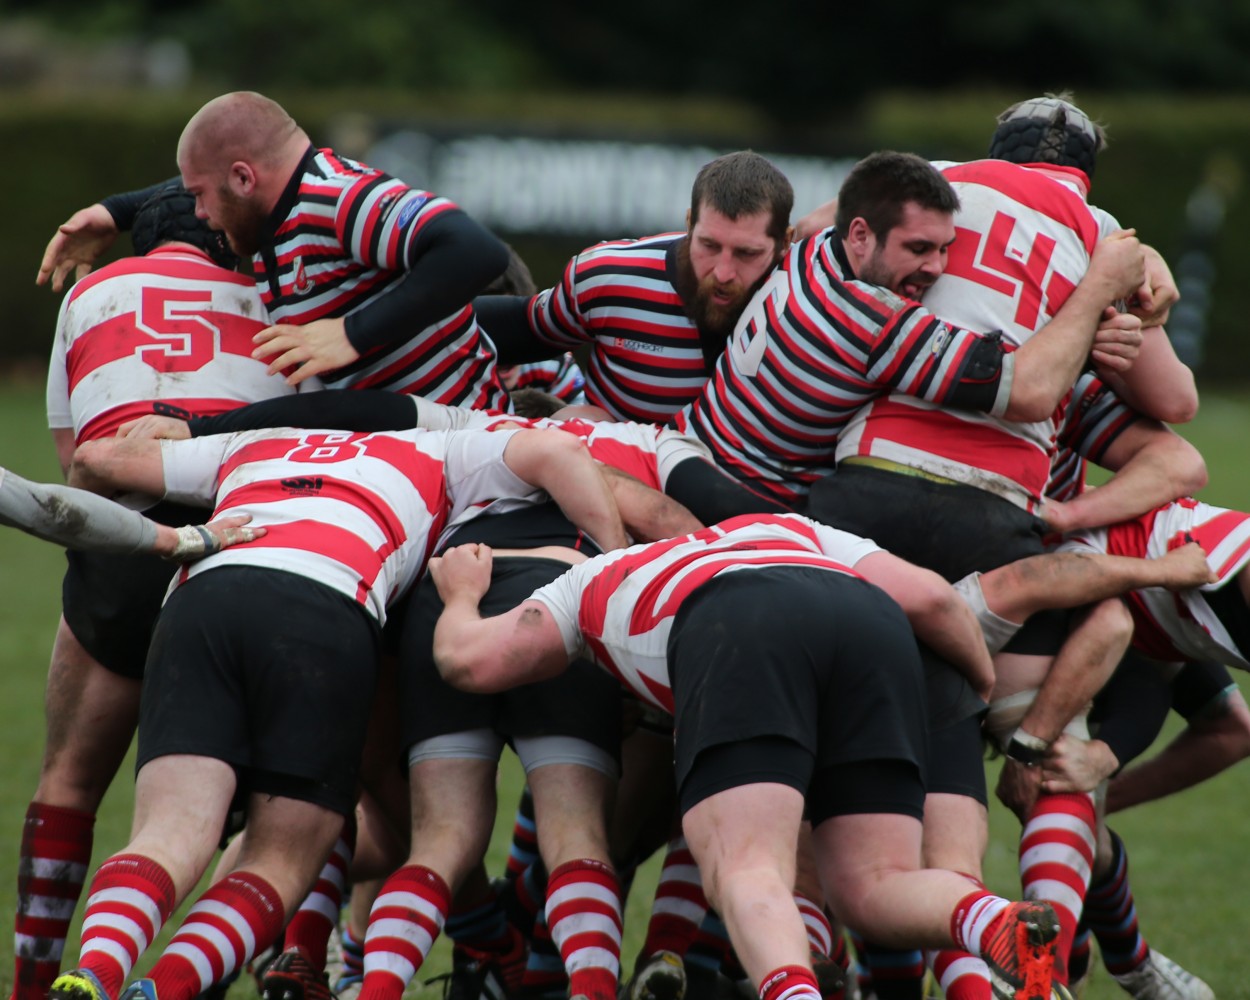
(619, 607)
(356, 512)
(1179, 626)
(1024, 238)
(168, 333)
(645, 451)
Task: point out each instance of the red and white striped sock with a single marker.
(961, 976)
(1056, 859)
(976, 918)
(819, 929)
(405, 921)
(584, 917)
(129, 901)
(790, 982)
(679, 906)
(52, 867)
(318, 914)
(236, 918)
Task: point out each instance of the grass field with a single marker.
(1190, 865)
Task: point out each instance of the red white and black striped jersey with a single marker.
(619, 607)
(356, 512)
(560, 377)
(1093, 419)
(1024, 237)
(342, 234)
(167, 333)
(646, 361)
(813, 346)
(1179, 626)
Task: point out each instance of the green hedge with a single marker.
(67, 152)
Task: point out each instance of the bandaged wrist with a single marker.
(1026, 748)
(194, 542)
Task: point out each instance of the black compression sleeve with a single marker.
(124, 207)
(452, 260)
(505, 318)
(364, 410)
(712, 496)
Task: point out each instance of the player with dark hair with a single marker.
(169, 331)
(350, 521)
(689, 624)
(656, 312)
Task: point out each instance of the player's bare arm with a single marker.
(938, 615)
(1046, 366)
(1073, 579)
(648, 514)
(1157, 383)
(561, 464)
(77, 244)
(110, 465)
(312, 349)
(1152, 466)
(485, 655)
(155, 428)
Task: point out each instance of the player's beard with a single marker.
(713, 319)
(242, 222)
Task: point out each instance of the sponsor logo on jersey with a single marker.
(302, 284)
(410, 209)
(638, 345)
(302, 485)
(943, 338)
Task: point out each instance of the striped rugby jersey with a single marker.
(168, 333)
(356, 512)
(646, 360)
(619, 607)
(813, 346)
(342, 233)
(1179, 626)
(1093, 418)
(1024, 238)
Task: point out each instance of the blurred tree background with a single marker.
(93, 95)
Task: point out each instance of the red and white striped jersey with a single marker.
(813, 346)
(619, 607)
(343, 235)
(1179, 626)
(645, 451)
(646, 361)
(356, 512)
(1024, 237)
(167, 333)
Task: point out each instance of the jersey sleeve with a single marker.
(57, 394)
(555, 314)
(380, 220)
(846, 548)
(562, 598)
(192, 468)
(921, 355)
(1094, 418)
(476, 472)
